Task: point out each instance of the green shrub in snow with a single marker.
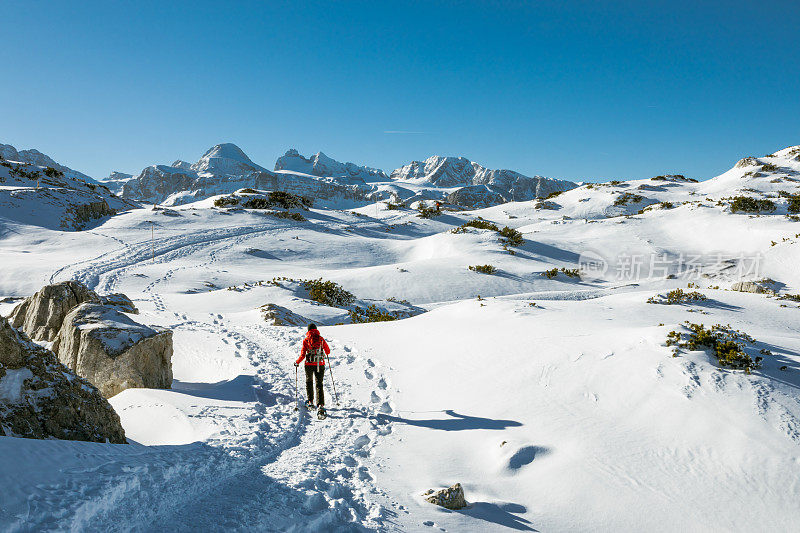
(226, 201)
(625, 198)
(483, 269)
(478, 223)
(512, 236)
(569, 272)
(793, 205)
(423, 211)
(725, 343)
(677, 296)
(359, 315)
(286, 214)
(751, 205)
(327, 292)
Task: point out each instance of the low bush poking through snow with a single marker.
(751, 205)
(477, 223)
(727, 344)
(427, 212)
(327, 292)
(512, 237)
(626, 198)
(226, 201)
(569, 272)
(372, 313)
(483, 269)
(793, 203)
(508, 236)
(394, 207)
(285, 214)
(677, 296)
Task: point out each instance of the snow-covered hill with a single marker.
(37, 158)
(554, 400)
(44, 195)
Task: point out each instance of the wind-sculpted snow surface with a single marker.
(546, 388)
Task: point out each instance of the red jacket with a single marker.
(312, 341)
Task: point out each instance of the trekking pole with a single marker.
(330, 369)
(295, 388)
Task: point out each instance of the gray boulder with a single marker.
(113, 352)
(758, 287)
(449, 498)
(40, 316)
(40, 398)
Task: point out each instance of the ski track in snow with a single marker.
(292, 472)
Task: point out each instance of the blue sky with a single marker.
(576, 90)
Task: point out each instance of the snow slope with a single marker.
(570, 414)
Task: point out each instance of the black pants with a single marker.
(315, 373)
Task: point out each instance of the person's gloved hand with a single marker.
(296, 364)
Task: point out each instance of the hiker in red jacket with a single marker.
(314, 350)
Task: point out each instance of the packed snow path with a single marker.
(279, 469)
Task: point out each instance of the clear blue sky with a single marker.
(576, 90)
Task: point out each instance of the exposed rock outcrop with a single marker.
(112, 351)
(475, 196)
(280, 316)
(76, 216)
(40, 398)
(40, 316)
(449, 498)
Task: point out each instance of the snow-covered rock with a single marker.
(40, 316)
(321, 165)
(449, 498)
(40, 398)
(112, 351)
(278, 315)
(120, 302)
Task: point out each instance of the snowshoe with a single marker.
(309, 405)
(321, 413)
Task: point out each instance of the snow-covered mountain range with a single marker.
(226, 168)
